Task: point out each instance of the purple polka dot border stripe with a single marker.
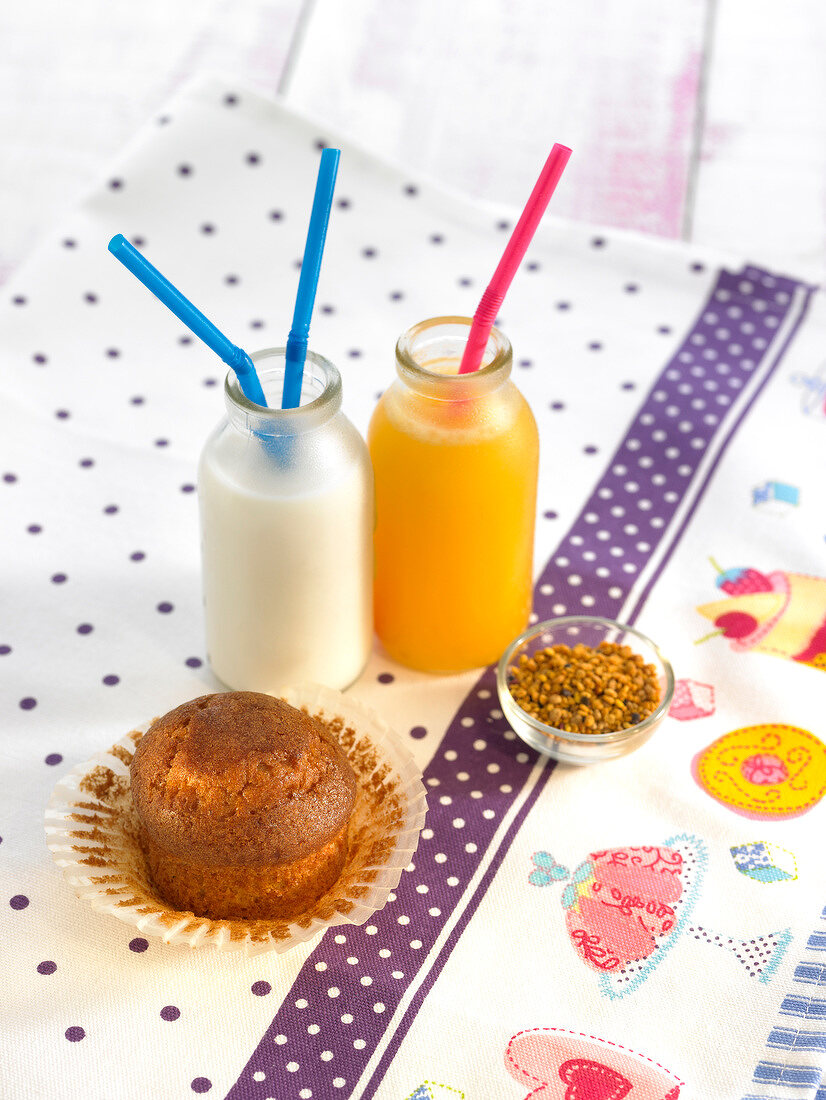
(663, 461)
(351, 1005)
(481, 783)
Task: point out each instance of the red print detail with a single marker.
(626, 905)
(764, 769)
(589, 1080)
(548, 1060)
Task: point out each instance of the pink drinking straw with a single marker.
(515, 249)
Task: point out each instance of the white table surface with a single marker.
(698, 119)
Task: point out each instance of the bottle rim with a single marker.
(497, 360)
(320, 377)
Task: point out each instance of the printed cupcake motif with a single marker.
(692, 699)
(432, 1090)
(780, 613)
(764, 861)
(764, 772)
(625, 908)
(555, 1064)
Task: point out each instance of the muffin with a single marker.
(244, 805)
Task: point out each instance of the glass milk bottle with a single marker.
(455, 460)
(286, 503)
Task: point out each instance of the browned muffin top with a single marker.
(240, 778)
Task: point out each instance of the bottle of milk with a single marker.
(286, 502)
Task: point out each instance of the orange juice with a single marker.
(455, 460)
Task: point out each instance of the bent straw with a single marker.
(515, 249)
(184, 310)
(308, 279)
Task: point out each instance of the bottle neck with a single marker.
(428, 357)
(320, 396)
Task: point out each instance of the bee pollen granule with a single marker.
(581, 689)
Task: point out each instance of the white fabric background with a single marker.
(515, 948)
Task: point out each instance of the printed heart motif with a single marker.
(589, 1080)
(555, 1064)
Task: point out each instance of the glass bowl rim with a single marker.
(615, 736)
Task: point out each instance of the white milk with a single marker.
(286, 532)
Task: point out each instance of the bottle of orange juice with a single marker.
(455, 459)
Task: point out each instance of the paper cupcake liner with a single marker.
(92, 832)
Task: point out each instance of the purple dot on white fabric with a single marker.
(170, 1013)
(53, 758)
(86, 463)
(90, 297)
(40, 358)
(418, 732)
(185, 339)
(19, 901)
(138, 944)
(59, 578)
(161, 442)
(110, 679)
(193, 662)
(137, 555)
(201, 1084)
(165, 607)
(184, 169)
(113, 353)
(550, 515)
(598, 242)
(10, 478)
(276, 215)
(110, 509)
(137, 400)
(28, 703)
(4, 649)
(46, 967)
(75, 1034)
(563, 305)
(385, 677)
(62, 414)
(232, 279)
(208, 228)
(261, 989)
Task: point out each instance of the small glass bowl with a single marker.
(582, 748)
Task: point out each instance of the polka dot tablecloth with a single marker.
(653, 924)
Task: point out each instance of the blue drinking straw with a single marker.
(184, 310)
(308, 279)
